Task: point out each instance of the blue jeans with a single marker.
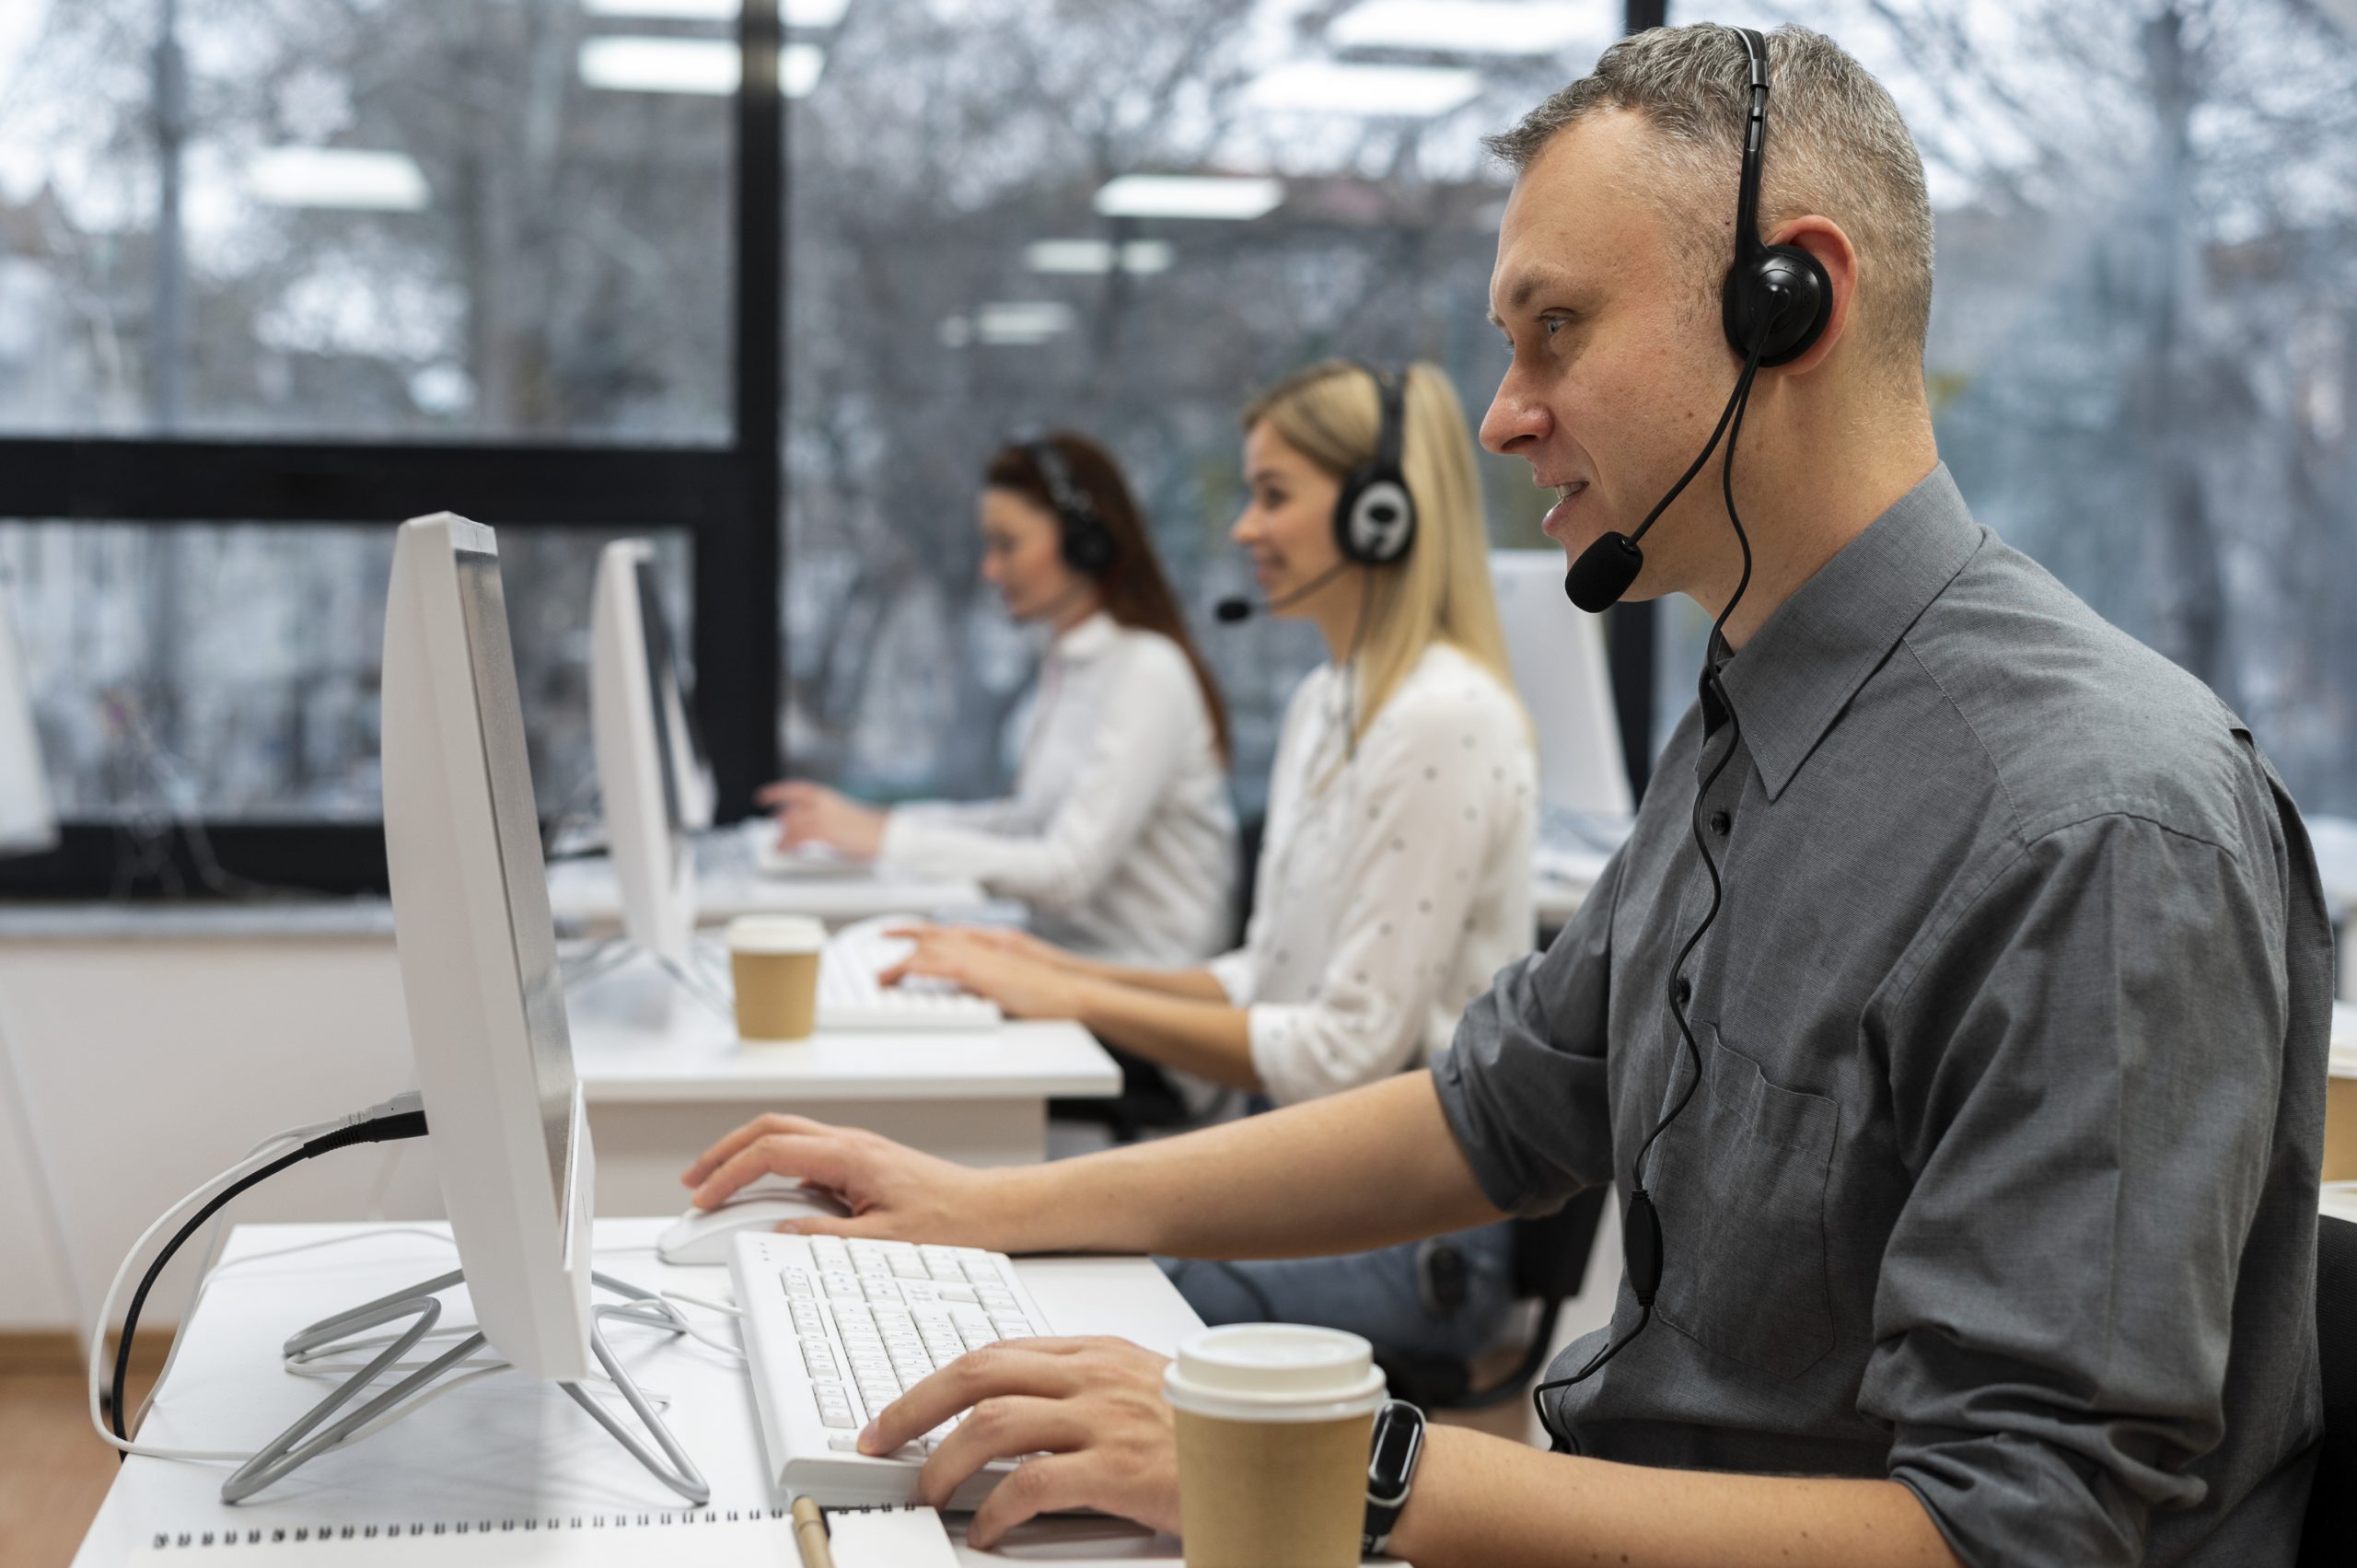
(1370, 1293)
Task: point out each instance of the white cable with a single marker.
(274, 1147)
(100, 1363)
(269, 1149)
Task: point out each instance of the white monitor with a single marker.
(28, 819)
(1559, 666)
(478, 951)
(650, 775)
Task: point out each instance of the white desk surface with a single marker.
(638, 1039)
(585, 893)
(504, 1447)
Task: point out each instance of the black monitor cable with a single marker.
(1641, 1238)
(402, 1117)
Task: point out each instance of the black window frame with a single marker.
(723, 499)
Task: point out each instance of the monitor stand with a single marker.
(300, 1443)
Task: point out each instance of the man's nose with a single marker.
(1514, 417)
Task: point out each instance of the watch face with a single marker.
(1396, 1438)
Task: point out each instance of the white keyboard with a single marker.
(836, 1330)
(849, 997)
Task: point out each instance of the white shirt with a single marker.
(1119, 834)
(1392, 885)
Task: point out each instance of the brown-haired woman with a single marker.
(1119, 834)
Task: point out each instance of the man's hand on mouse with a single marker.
(893, 1193)
(1090, 1412)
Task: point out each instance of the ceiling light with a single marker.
(1097, 256)
(1465, 27)
(708, 67)
(336, 177)
(1328, 87)
(1022, 321)
(1188, 196)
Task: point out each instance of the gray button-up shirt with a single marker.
(1999, 1178)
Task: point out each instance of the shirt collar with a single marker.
(1086, 641)
(1792, 681)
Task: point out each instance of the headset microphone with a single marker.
(1239, 608)
(1773, 306)
(1604, 572)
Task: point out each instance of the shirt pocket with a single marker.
(1741, 1190)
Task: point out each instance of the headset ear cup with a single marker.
(1787, 290)
(1088, 547)
(1374, 518)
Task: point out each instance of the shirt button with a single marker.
(1721, 822)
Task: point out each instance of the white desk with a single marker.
(506, 1449)
(664, 1076)
(583, 894)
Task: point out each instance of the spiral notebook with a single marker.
(860, 1537)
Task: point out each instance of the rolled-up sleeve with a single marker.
(2086, 1067)
(1523, 1083)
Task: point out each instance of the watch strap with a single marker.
(1387, 1494)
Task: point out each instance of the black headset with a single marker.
(1773, 307)
(1375, 515)
(1086, 545)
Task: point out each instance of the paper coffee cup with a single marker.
(774, 962)
(1274, 1421)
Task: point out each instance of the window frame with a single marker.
(723, 499)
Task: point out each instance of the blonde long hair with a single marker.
(1331, 413)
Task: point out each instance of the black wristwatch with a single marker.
(1391, 1470)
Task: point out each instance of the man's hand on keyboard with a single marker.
(1025, 985)
(894, 1193)
(1089, 1411)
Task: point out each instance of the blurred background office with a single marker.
(274, 272)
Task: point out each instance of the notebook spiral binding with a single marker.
(300, 1533)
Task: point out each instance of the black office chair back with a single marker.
(2330, 1536)
(1550, 1266)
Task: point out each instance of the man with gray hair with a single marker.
(1983, 1121)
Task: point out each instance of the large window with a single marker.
(280, 272)
(276, 273)
(2144, 324)
(1125, 217)
(2140, 359)
(455, 218)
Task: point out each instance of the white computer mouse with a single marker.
(704, 1235)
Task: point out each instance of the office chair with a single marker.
(2330, 1535)
(1549, 1265)
(1149, 1101)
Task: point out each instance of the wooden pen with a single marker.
(810, 1535)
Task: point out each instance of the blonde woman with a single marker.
(1395, 875)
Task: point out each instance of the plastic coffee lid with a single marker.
(1275, 1372)
(775, 934)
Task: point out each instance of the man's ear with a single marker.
(1823, 238)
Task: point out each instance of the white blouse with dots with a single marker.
(1392, 884)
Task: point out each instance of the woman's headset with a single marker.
(1375, 515)
(1086, 545)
